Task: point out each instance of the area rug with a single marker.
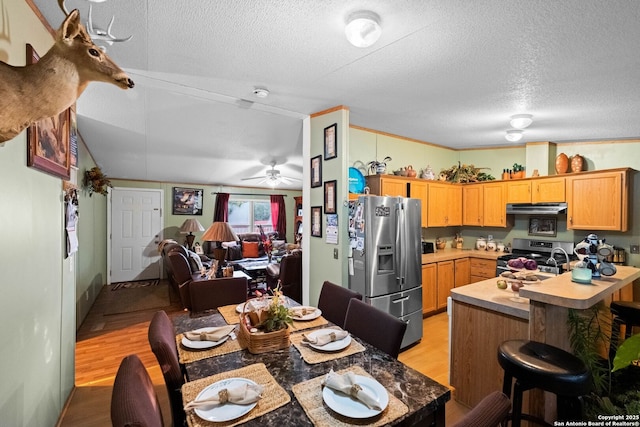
(134, 284)
(128, 300)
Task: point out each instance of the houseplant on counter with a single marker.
(378, 168)
(518, 171)
(96, 182)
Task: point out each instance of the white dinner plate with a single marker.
(227, 411)
(351, 407)
(201, 345)
(333, 345)
(309, 316)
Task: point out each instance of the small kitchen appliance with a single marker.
(549, 254)
(594, 252)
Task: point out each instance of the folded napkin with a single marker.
(325, 337)
(243, 394)
(346, 384)
(213, 334)
(300, 312)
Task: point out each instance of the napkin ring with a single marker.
(223, 395)
(203, 336)
(355, 389)
(332, 335)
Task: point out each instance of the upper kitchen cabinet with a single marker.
(387, 185)
(420, 190)
(472, 205)
(444, 205)
(484, 204)
(519, 191)
(598, 200)
(536, 190)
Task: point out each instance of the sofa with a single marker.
(240, 249)
(195, 261)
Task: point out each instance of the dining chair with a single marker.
(380, 329)
(214, 293)
(134, 401)
(492, 410)
(162, 339)
(334, 301)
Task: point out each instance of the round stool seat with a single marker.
(544, 366)
(628, 310)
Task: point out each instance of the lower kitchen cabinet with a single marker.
(481, 269)
(446, 282)
(429, 287)
(439, 278)
(463, 272)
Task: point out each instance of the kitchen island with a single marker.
(483, 316)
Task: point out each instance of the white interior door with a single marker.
(136, 230)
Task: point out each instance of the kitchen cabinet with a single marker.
(548, 190)
(462, 272)
(429, 287)
(598, 200)
(472, 205)
(444, 205)
(419, 190)
(446, 282)
(484, 204)
(388, 185)
(481, 269)
(519, 191)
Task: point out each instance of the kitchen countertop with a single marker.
(555, 290)
(450, 253)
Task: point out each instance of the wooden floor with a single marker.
(103, 340)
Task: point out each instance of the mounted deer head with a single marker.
(48, 87)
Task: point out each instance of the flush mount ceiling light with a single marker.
(261, 92)
(521, 121)
(513, 135)
(363, 28)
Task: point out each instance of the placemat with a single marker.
(230, 314)
(273, 397)
(309, 394)
(308, 324)
(187, 355)
(312, 356)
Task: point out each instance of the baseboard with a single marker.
(65, 408)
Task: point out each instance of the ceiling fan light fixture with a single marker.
(521, 121)
(363, 28)
(514, 135)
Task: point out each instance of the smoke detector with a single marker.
(261, 92)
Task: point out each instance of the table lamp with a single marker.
(189, 226)
(220, 232)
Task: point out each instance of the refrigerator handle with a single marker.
(400, 241)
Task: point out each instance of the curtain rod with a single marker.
(247, 194)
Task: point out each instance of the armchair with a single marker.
(289, 273)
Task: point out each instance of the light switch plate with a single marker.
(335, 253)
(635, 249)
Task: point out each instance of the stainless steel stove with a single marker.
(549, 254)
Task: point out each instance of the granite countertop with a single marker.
(447, 254)
(555, 290)
(421, 394)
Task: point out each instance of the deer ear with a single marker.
(71, 25)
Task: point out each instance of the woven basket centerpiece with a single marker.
(259, 325)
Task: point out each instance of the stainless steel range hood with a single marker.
(536, 208)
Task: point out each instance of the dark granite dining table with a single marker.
(424, 397)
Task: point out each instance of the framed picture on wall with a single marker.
(187, 201)
(542, 226)
(316, 221)
(316, 171)
(331, 142)
(330, 197)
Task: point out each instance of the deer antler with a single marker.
(96, 33)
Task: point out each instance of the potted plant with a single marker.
(518, 171)
(269, 330)
(376, 167)
(96, 182)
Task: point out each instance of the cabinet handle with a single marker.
(571, 219)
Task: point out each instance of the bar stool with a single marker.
(625, 313)
(538, 365)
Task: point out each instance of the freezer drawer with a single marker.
(399, 303)
(414, 328)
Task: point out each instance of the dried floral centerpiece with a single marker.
(464, 173)
(96, 182)
(265, 328)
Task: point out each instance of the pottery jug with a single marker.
(577, 163)
(411, 172)
(562, 163)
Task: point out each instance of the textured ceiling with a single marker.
(447, 72)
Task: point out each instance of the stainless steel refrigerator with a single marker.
(386, 258)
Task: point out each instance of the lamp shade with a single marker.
(219, 232)
(191, 225)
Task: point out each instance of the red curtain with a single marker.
(221, 210)
(278, 216)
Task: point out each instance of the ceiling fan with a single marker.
(273, 177)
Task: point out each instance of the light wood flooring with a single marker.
(103, 340)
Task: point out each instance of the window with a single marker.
(246, 215)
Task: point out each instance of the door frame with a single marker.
(109, 207)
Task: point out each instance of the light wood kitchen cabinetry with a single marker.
(387, 185)
(598, 200)
(444, 205)
(472, 205)
(420, 190)
(429, 287)
(463, 272)
(446, 282)
(481, 269)
(484, 204)
(519, 191)
(548, 190)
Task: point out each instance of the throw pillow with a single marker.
(234, 253)
(250, 249)
(194, 261)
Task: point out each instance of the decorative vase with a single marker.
(577, 162)
(411, 172)
(562, 163)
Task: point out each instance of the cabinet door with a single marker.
(548, 190)
(446, 282)
(463, 272)
(437, 205)
(482, 269)
(393, 187)
(494, 210)
(472, 204)
(454, 203)
(429, 287)
(419, 190)
(519, 191)
(597, 201)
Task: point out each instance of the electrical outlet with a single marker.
(490, 237)
(635, 249)
(335, 253)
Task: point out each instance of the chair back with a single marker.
(291, 276)
(334, 301)
(491, 411)
(134, 401)
(214, 293)
(181, 273)
(380, 329)
(162, 339)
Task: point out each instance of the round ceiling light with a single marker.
(513, 135)
(261, 92)
(363, 28)
(521, 121)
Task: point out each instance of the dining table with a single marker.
(414, 398)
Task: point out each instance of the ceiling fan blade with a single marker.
(290, 178)
(253, 177)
